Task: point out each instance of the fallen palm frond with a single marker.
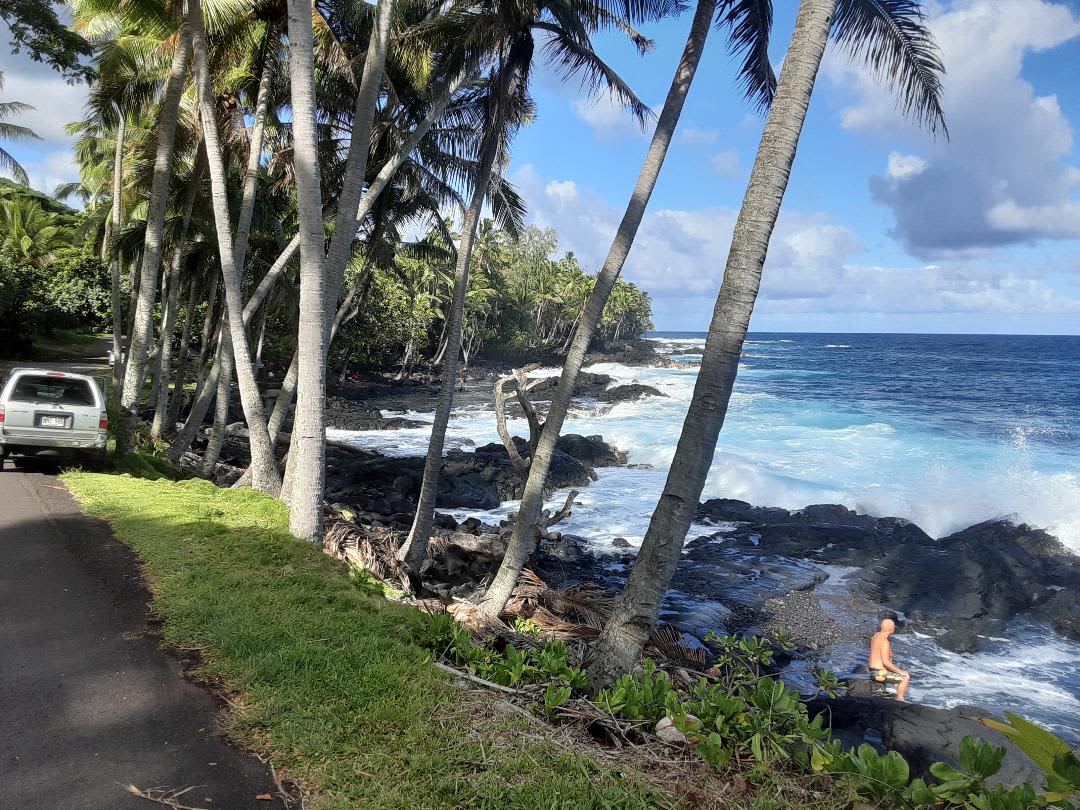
(365, 547)
(550, 610)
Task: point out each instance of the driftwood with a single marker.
(520, 379)
(468, 676)
(164, 796)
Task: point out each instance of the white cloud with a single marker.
(1002, 177)
(48, 161)
(901, 166)
(699, 136)
(726, 164)
(812, 267)
(52, 170)
(563, 190)
(608, 118)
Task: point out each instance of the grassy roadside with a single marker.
(325, 674)
(64, 344)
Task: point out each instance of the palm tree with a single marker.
(265, 477)
(894, 40)
(321, 275)
(142, 329)
(33, 233)
(508, 31)
(128, 65)
(13, 132)
(527, 523)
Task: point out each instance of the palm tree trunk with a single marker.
(173, 409)
(112, 232)
(168, 324)
(222, 390)
(221, 408)
(386, 174)
(204, 394)
(142, 329)
(340, 250)
(412, 553)
(526, 525)
(637, 607)
(308, 447)
(255, 150)
(265, 476)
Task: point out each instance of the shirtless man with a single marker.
(882, 668)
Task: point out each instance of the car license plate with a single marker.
(54, 421)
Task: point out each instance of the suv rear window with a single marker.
(56, 390)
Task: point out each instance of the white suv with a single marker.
(53, 413)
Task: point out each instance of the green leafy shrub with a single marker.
(506, 667)
(643, 696)
(1048, 751)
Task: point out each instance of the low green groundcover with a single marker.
(329, 677)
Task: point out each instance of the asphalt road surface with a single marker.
(88, 701)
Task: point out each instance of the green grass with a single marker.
(63, 344)
(326, 674)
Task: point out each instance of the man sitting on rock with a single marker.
(882, 668)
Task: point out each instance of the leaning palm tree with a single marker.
(509, 31)
(141, 337)
(527, 523)
(893, 38)
(882, 32)
(265, 477)
(14, 132)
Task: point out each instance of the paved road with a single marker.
(88, 703)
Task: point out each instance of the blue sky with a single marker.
(883, 228)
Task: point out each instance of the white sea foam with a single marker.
(782, 452)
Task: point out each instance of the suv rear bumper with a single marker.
(26, 442)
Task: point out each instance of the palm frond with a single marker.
(579, 59)
(891, 36)
(749, 25)
(10, 165)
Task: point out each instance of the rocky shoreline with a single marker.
(822, 573)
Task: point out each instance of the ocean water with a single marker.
(944, 430)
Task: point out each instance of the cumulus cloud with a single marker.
(813, 266)
(1003, 175)
(52, 170)
(48, 161)
(608, 118)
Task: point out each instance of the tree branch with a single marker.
(548, 520)
(520, 464)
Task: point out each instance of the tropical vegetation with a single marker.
(274, 193)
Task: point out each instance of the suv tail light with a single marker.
(1, 414)
(103, 421)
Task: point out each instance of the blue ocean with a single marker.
(944, 430)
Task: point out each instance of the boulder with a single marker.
(630, 392)
(586, 385)
(592, 451)
(627, 353)
(961, 587)
(922, 734)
